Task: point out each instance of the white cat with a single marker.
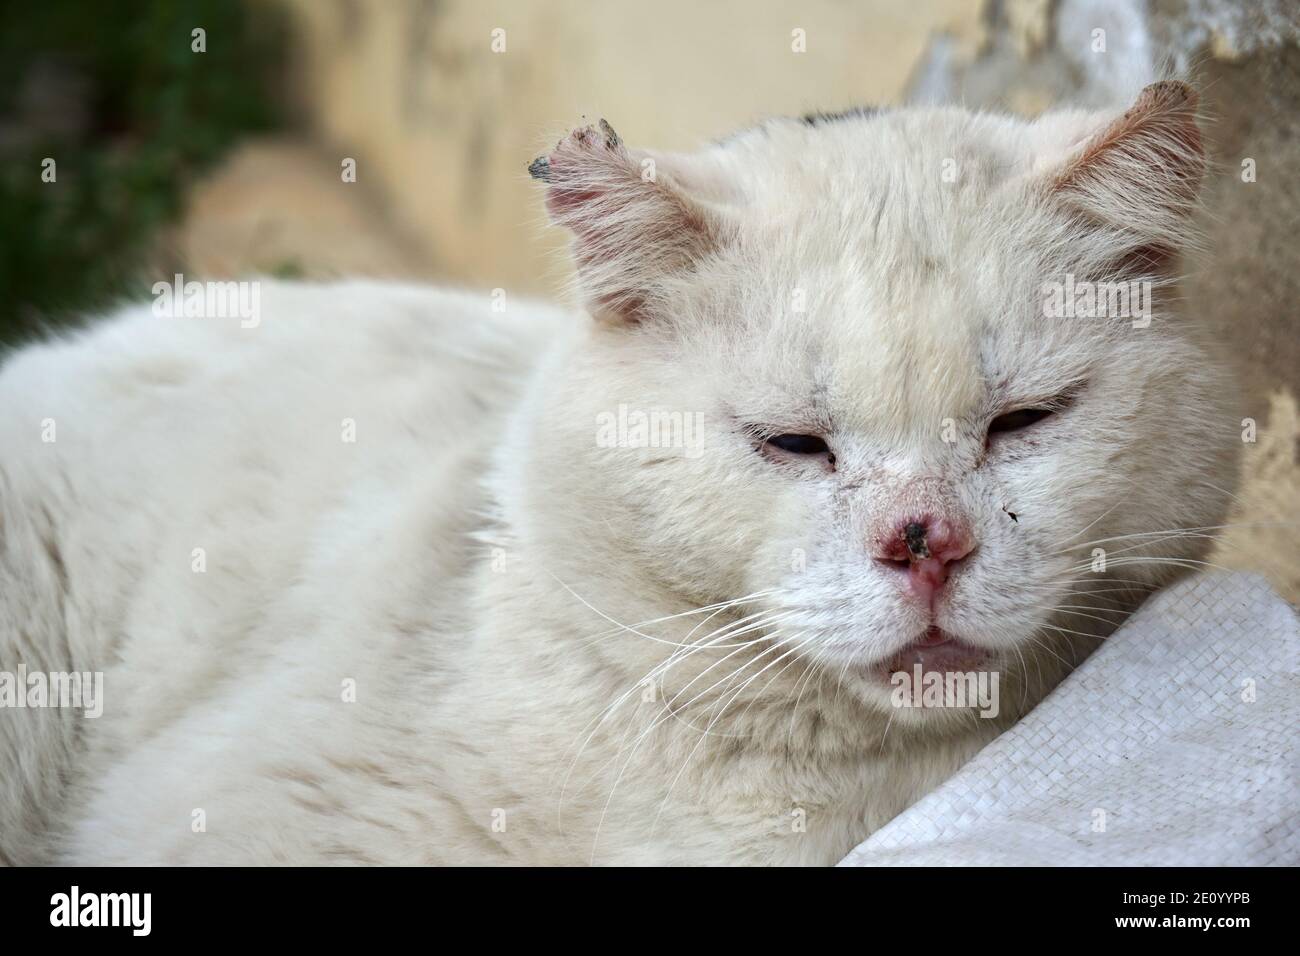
(393, 577)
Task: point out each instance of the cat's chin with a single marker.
(932, 659)
(935, 651)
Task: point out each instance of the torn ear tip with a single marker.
(540, 168)
(1172, 93)
(612, 139)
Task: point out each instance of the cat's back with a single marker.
(264, 471)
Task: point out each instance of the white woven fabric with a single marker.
(1154, 752)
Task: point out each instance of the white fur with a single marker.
(498, 584)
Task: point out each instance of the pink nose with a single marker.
(926, 548)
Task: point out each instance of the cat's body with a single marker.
(434, 617)
(323, 561)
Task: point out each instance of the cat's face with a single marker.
(866, 416)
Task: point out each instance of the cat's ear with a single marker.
(1137, 177)
(634, 222)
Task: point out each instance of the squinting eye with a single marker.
(1021, 418)
(799, 444)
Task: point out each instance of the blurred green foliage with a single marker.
(114, 93)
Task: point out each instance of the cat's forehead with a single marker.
(904, 293)
(862, 354)
(900, 200)
(947, 155)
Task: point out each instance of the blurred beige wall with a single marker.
(446, 126)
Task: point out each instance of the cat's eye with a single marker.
(800, 444)
(1020, 418)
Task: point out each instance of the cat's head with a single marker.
(845, 364)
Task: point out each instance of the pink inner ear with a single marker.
(584, 174)
(627, 231)
(560, 200)
(1157, 137)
